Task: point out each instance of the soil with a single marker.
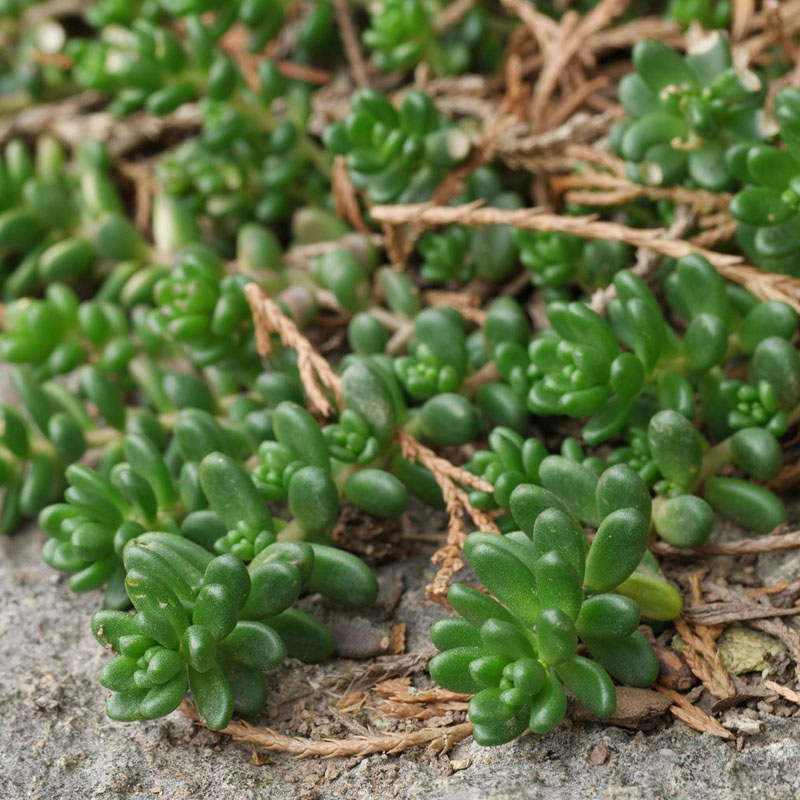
(57, 743)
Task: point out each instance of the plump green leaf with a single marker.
(590, 683)
(630, 659)
(617, 549)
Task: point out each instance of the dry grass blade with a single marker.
(267, 739)
(315, 371)
(693, 716)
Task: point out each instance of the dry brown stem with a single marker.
(764, 285)
(604, 189)
(352, 48)
(457, 503)
(344, 194)
(787, 478)
(760, 544)
(713, 236)
(783, 691)
(726, 612)
(302, 255)
(442, 739)
(72, 121)
(693, 716)
(440, 467)
(400, 689)
(742, 13)
(404, 702)
(538, 219)
(140, 174)
(315, 371)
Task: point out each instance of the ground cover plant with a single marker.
(535, 267)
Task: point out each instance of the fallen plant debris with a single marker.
(277, 275)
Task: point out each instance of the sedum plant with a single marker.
(558, 260)
(402, 33)
(685, 112)
(708, 13)
(551, 591)
(397, 155)
(214, 626)
(178, 471)
(60, 222)
(767, 207)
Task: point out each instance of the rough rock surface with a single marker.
(56, 743)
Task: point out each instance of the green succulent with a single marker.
(397, 155)
(767, 208)
(685, 112)
(213, 626)
(402, 33)
(709, 13)
(516, 651)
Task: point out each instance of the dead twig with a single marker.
(754, 546)
(442, 739)
(344, 195)
(783, 691)
(722, 613)
(315, 371)
(693, 716)
(457, 503)
(352, 48)
(700, 648)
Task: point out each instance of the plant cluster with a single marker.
(516, 653)
(179, 470)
